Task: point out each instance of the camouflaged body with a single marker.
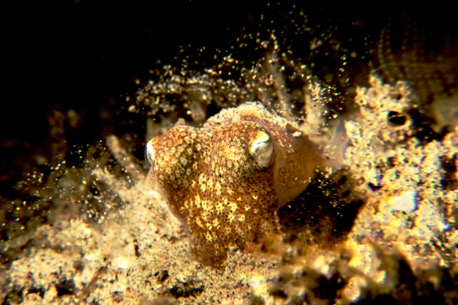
(212, 182)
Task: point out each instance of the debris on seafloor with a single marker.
(139, 253)
(377, 225)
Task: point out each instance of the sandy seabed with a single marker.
(400, 245)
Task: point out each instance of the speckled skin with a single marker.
(213, 183)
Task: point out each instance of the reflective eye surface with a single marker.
(149, 153)
(261, 148)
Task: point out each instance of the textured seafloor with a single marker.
(378, 225)
(401, 246)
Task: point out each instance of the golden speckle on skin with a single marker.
(226, 180)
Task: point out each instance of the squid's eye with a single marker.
(262, 148)
(149, 153)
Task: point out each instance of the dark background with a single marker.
(85, 55)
